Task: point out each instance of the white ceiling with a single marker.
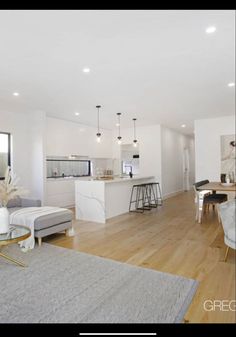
(158, 66)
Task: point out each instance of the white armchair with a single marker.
(227, 216)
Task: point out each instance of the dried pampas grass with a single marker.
(9, 189)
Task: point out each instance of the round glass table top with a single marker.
(16, 233)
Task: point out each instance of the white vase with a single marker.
(4, 220)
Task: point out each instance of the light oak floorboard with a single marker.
(169, 240)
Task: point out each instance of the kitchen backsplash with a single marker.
(63, 166)
(100, 166)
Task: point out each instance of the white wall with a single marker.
(17, 125)
(27, 158)
(191, 161)
(172, 150)
(161, 155)
(207, 145)
(149, 138)
(64, 138)
(37, 154)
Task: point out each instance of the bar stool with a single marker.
(152, 195)
(141, 194)
(157, 193)
(146, 197)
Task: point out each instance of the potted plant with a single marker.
(8, 191)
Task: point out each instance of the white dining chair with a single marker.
(199, 199)
(227, 216)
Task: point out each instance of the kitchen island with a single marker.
(99, 200)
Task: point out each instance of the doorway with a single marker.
(186, 183)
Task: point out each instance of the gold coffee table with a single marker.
(16, 234)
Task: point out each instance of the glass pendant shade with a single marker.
(135, 142)
(98, 124)
(98, 137)
(119, 138)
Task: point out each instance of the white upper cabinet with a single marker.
(65, 138)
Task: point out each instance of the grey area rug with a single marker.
(64, 286)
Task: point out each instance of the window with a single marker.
(5, 157)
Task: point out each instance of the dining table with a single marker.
(218, 186)
(214, 187)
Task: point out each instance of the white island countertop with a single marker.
(69, 178)
(98, 200)
(119, 179)
(114, 180)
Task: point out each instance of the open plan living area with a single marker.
(117, 167)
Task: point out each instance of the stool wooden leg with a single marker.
(70, 232)
(218, 214)
(226, 254)
(40, 242)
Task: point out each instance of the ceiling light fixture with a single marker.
(16, 94)
(76, 113)
(210, 29)
(86, 70)
(183, 126)
(119, 137)
(231, 84)
(135, 142)
(98, 133)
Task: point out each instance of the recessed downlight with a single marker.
(183, 126)
(231, 84)
(86, 70)
(117, 124)
(15, 94)
(210, 29)
(76, 113)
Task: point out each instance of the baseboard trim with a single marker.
(172, 194)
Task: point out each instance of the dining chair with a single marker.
(205, 198)
(199, 198)
(227, 216)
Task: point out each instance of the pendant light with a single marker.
(119, 141)
(98, 133)
(135, 142)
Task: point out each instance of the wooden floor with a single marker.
(168, 240)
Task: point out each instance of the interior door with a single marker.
(186, 169)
